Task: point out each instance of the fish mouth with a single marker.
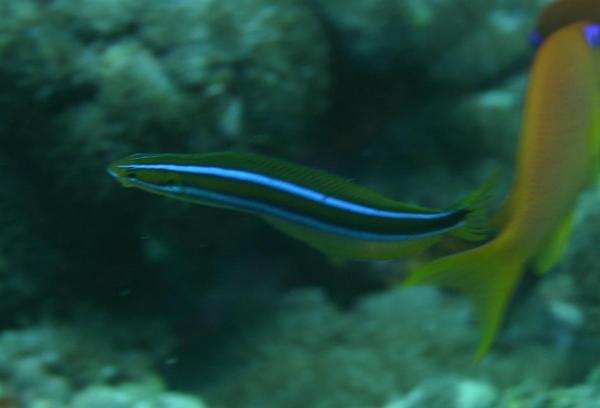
(112, 173)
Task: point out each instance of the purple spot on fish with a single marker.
(535, 38)
(592, 34)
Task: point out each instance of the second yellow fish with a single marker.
(558, 158)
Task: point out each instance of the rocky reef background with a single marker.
(111, 298)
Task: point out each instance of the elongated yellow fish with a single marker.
(327, 212)
(558, 158)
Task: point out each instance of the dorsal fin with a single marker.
(564, 12)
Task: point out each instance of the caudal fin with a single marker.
(477, 222)
(488, 274)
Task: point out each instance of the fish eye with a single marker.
(131, 176)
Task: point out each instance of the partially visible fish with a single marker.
(558, 159)
(327, 212)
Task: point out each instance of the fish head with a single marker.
(134, 170)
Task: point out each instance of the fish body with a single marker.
(558, 159)
(329, 213)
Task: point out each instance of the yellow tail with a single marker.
(488, 274)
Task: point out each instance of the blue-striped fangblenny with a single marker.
(327, 212)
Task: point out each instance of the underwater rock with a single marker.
(584, 395)
(25, 250)
(449, 392)
(458, 43)
(490, 119)
(580, 268)
(454, 392)
(89, 81)
(120, 76)
(474, 136)
(149, 394)
(86, 82)
(454, 116)
(260, 68)
(389, 344)
(86, 364)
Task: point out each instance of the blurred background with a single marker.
(111, 297)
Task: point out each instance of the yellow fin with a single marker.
(554, 247)
(503, 214)
(488, 274)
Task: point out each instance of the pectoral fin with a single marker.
(554, 247)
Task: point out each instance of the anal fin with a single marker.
(488, 274)
(554, 247)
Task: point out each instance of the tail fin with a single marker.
(477, 222)
(488, 274)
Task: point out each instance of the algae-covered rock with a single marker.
(414, 343)
(491, 119)
(449, 392)
(581, 265)
(87, 364)
(584, 395)
(437, 89)
(458, 43)
(183, 75)
(428, 99)
(148, 394)
(87, 82)
(27, 254)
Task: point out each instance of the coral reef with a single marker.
(456, 42)
(184, 75)
(85, 82)
(89, 364)
(584, 395)
(150, 394)
(387, 345)
(444, 82)
(396, 349)
(420, 100)
(580, 268)
(449, 392)
(24, 231)
(452, 392)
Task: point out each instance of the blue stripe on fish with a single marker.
(269, 210)
(286, 187)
